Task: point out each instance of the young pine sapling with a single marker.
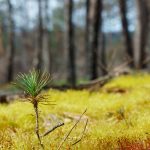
(32, 84)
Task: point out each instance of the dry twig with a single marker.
(71, 130)
(82, 133)
(51, 130)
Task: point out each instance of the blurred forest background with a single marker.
(74, 40)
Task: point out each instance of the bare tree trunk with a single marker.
(46, 42)
(70, 43)
(11, 42)
(126, 32)
(141, 33)
(87, 41)
(103, 64)
(96, 30)
(40, 37)
(1, 41)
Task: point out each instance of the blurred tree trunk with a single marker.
(96, 22)
(141, 33)
(1, 41)
(126, 32)
(40, 37)
(11, 42)
(87, 42)
(103, 65)
(46, 42)
(70, 43)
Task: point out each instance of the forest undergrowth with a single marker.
(118, 118)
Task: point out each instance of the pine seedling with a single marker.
(32, 84)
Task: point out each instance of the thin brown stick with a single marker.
(71, 130)
(51, 130)
(82, 133)
(37, 123)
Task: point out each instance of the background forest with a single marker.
(74, 40)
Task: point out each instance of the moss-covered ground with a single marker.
(118, 118)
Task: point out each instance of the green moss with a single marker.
(105, 128)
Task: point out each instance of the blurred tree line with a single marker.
(72, 39)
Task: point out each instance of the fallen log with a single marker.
(99, 82)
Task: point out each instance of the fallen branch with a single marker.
(82, 133)
(51, 130)
(99, 81)
(71, 130)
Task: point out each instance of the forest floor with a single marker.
(118, 118)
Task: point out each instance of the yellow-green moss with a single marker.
(106, 126)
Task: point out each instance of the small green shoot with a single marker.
(32, 84)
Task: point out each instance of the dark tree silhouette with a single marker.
(96, 23)
(103, 63)
(87, 36)
(46, 39)
(40, 37)
(1, 40)
(11, 41)
(70, 43)
(126, 32)
(141, 33)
